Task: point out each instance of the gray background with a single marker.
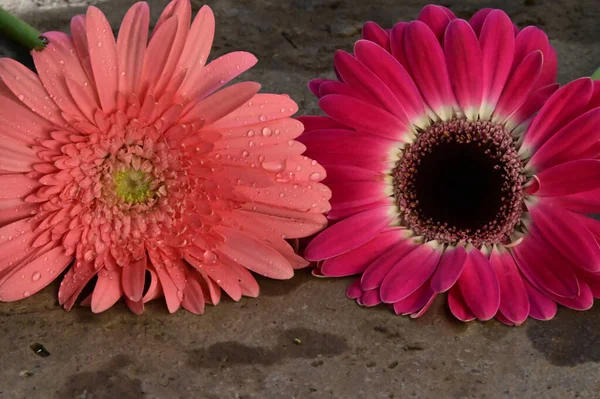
(247, 349)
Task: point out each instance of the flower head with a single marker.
(457, 164)
(124, 162)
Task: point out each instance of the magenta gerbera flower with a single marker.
(123, 161)
(456, 164)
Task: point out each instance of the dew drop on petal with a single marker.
(210, 257)
(315, 176)
(273, 166)
(263, 118)
(245, 154)
(99, 44)
(26, 294)
(36, 276)
(250, 133)
(180, 295)
(267, 132)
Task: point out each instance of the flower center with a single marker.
(461, 181)
(133, 186)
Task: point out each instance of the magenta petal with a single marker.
(503, 319)
(381, 266)
(449, 269)
(544, 267)
(568, 235)
(519, 85)
(397, 43)
(465, 66)
(342, 213)
(479, 286)
(311, 122)
(363, 116)
(514, 301)
(410, 273)
(428, 68)
(393, 74)
(566, 104)
(478, 19)
(541, 307)
(458, 306)
(415, 301)
(584, 202)
(353, 194)
(348, 234)
(354, 291)
(370, 298)
(497, 49)
(569, 178)
(583, 301)
(570, 143)
(436, 18)
(376, 34)
(523, 115)
(357, 260)
(315, 84)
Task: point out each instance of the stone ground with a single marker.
(249, 349)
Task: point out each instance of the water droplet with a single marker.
(26, 294)
(36, 276)
(123, 73)
(263, 118)
(267, 132)
(281, 195)
(99, 44)
(298, 168)
(313, 162)
(245, 154)
(210, 257)
(180, 295)
(251, 144)
(21, 97)
(250, 133)
(273, 166)
(315, 176)
(282, 109)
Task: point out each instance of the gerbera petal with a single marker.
(520, 119)
(357, 260)
(393, 74)
(544, 267)
(378, 269)
(582, 202)
(353, 194)
(263, 107)
(563, 106)
(541, 307)
(107, 290)
(497, 42)
(354, 291)
(478, 19)
(131, 47)
(567, 234)
(479, 286)
(458, 306)
(397, 43)
(583, 301)
(449, 269)
(160, 45)
(193, 297)
(348, 234)
(558, 180)
(519, 86)
(311, 123)
(133, 279)
(376, 34)
(514, 301)
(411, 272)
(465, 66)
(21, 124)
(35, 275)
(370, 298)
(428, 68)
(437, 18)
(103, 57)
(363, 116)
(415, 301)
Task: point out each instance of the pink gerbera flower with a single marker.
(456, 164)
(123, 160)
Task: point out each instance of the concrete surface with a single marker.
(249, 349)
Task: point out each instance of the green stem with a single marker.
(596, 75)
(19, 31)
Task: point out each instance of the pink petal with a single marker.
(342, 213)
(28, 88)
(315, 84)
(519, 85)
(544, 267)
(353, 194)
(376, 34)
(357, 260)
(570, 143)
(246, 280)
(349, 173)
(262, 108)
(363, 116)
(541, 307)
(21, 124)
(221, 103)
(220, 273)
(479, 286)
(458, 306)
(173, 296)
(254, 255)
(428, 68)
(193, 297)
(133, 279)
(568, 235)
(370, 298)
(415, 301)
(583, 202)
(514, 301)
(583, 301)
(217, 74)
(465, 66)
(79, 35)
(522, 116)
(497, 42)
(103, 58)
(437, 18)
(131, 47)
(354, 291)
(397, 43)
(35, 275)
(380, 267)
(107, 290)
(160, 47)
(410, 273)
(336, 240)
(389, 70)
(569, 178)
(449, 269)
(478, 19)
(564, 105)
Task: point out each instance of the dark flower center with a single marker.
(461, 181)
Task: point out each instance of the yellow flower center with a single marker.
(133, 186)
